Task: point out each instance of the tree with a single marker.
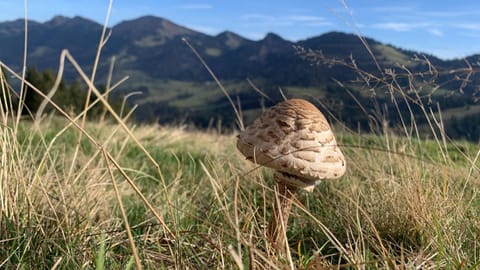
(70, 98)
(8, 101)
(42, 81)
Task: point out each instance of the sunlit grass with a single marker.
(405, 206)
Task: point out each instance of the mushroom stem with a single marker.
(284, 197)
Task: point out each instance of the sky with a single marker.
(445, 28)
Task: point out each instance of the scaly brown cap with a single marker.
(294, 138)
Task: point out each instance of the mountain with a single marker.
(175, 85)
(153, 47)
(46, 40)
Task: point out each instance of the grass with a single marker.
(459, 112)
(305, 92)
(407, 207)
(116, 195)
(395, 56)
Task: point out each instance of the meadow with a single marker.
(113, 194)
(99, 196)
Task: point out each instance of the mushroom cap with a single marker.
(294, 138)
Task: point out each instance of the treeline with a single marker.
(378, 110)
(71, 97)
(467, 127)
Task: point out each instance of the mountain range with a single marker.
(154, 47)
(177, 87)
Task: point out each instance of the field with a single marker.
(100, 196)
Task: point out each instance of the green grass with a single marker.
(183, 94)
(305, 92)
(213, 52)
(461, 112)
(396, 58)
(406, 206)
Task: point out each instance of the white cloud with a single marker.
(255, 16)
(305, 18)
(409, 18)
(318, 24)
(431, 28)
(449, 14)
(312, 21)
(415, 11)
(361, 25)
(436, 32)
(290, 20)
(392, 9)
(265, 20)
(196, 6)
(468, 26)
(396, 26)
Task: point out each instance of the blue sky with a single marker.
(445, 28)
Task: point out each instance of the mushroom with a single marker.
(293, 138)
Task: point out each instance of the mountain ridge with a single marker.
(139, 28)
(153, 47)
(151, 51)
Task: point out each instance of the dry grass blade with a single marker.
(24, 69)
(92, 139)
(236, 257)
(224, 91)
(122, 211)
(141, 195)
(121, 123)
